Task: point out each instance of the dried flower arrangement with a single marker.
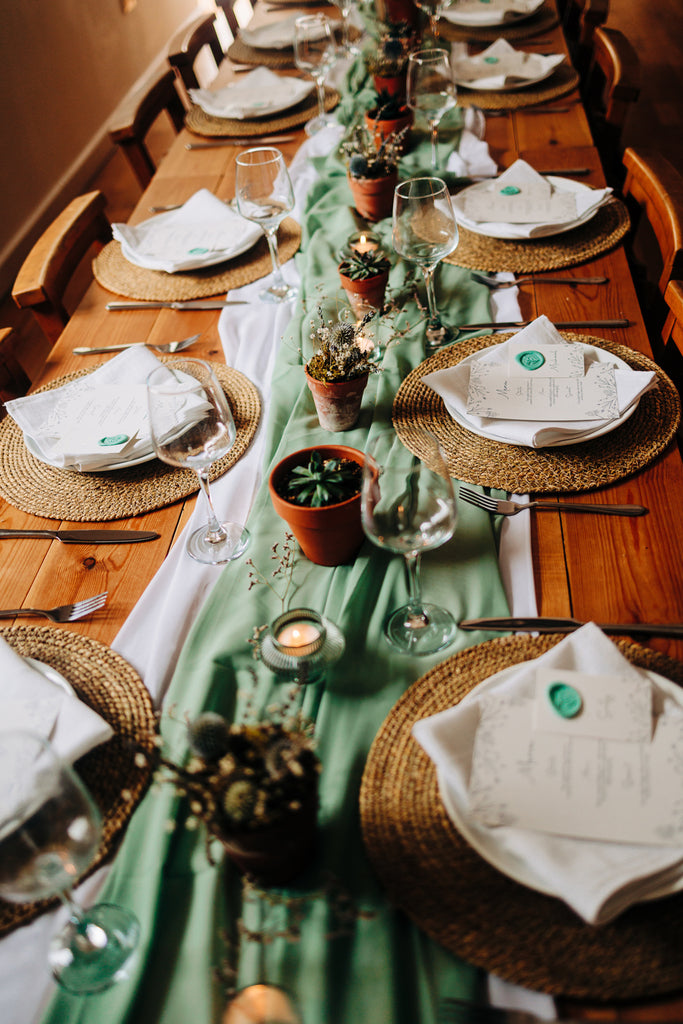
(341, 352)
(366, 159)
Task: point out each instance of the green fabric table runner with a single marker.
(374, 964)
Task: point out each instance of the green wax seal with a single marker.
(531, 359)
(113, 439)
(510, 190)
(565, 699)
(198, 251)
(490, 60)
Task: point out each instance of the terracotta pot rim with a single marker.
(300, 456)
(335, 384)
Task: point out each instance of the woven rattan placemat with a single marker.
(542, 21)
(242, 53)
(117, 274)
(107, 684)
(579, 467)
(42, 490)
(201, 123)
(565, 79)
(600, 234)
(469, 907)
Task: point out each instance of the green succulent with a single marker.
(388, 107)
(323, 481)
(359, 266)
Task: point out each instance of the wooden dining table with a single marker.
(593, 568)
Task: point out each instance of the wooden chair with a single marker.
(14, 381)
(185, 50)
(131, 132)
(611, 85)
(56, 257)
(581, 18)
(672, 336)
(653, 192)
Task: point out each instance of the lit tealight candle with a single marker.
(298, 633)
(261, 1004)
(364, 241)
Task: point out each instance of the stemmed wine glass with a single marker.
(192, 426)
(424, 231)
(314, 53)
(408, 506)
(430, 89)
(433, 9)
(264, 194)
(347, 47)
(50, 831)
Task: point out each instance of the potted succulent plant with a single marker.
(389, 116)
(255, 787)
(372, 170)
(317, 492)
(388, 65)
(338, 371)
(364, 277)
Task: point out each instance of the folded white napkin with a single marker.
(277, 36)
(256, 94)
(598, 880)
(203, 232)
(30, 702)
(509, 206)
(500, 66)
(64, 427)
(472, 158)
(489, 12)
(452, 384)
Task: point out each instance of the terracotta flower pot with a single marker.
(384, 127)
(393, 85)
(365, 293)
(337, 404)
(274, 854)
(398, 10)
(330, 535)
(374, 197)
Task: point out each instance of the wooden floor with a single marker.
(656, 31)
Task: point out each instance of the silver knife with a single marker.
(85, 536)
(255, 140)
(189, 304)
(549, 625)
(560, 324)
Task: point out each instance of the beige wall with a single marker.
(65, 66)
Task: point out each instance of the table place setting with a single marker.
(483, 21)
(259, 93)
(488, 13)
(500, 67)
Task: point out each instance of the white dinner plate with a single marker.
(260, 93)
(542, 230)
(520, 83)
(489, 843)
(52, 675)
(593, 353)
(37, 453)
(476, 15)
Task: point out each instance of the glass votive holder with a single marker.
(261, 1004)
(299, 633)
(299, 645)
(361, 241)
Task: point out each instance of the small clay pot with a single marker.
(274, 854)
(374, 197)
(366, 293)
(337, 404)
(384, 127)
(393, 85)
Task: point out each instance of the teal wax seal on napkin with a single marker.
(531, 359)
(510, 190)
(565, 699)
(197, 251)
(490, 60)
(113, 439)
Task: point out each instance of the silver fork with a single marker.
(511, 508)
(494, 285)
(63, 613)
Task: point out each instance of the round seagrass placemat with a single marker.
(456, 897)
(542, 21)
(201, 123)
(565, 79)
(600, 234)
(242, 53)
(42, 490)
(117, 274)
(108, 685)
(578, 467)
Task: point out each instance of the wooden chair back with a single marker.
(580, 19)
(653, 192)
(672, 334)
(184, 51)
(14, 381)
(130, 132)
(56, 257)
(610, 87)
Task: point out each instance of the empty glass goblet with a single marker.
(192, 426)
(348, 48)
(408, 506)
(430, 90)
(314, 53)
(424, 231)
(264, 194)
(433, 9)
(50, 831)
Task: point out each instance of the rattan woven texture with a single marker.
(572, 468)
(117, 274)
(563, 81)
(43, 490)
(107, 684)
(542, 21)
(201, 123)
(242, 53)
(451, 893)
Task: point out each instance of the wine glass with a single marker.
(424, 231)
(50, 831)
(192, 426)
(430, 89)
(408, 506)
(264, 194)
(348, 49)
(433, 9)
(314, 54)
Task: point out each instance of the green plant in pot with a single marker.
(389, 116)
(372, 170)
(364, 277)
(388, 65)
(338, 371)
(317, 492)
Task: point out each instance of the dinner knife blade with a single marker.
(559, 324)
(254, 140)
(185, 304)
(85, 536)
(546, 624)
